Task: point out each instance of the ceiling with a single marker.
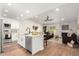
(68, 12)
(16, 9)
(39, 11)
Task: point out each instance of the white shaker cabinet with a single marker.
(32, 43)
(21, 41)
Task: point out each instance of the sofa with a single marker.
(66, 39)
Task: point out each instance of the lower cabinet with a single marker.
(28, 44)
(32, 43)
(21, 41)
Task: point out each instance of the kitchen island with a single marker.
(32, 43)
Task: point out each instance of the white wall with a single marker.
(78, 24)
(29, 23)
(72, 25)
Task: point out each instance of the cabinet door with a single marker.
(37, 43)
(21, 40)
(28, 43)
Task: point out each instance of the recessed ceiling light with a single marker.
(5, 10)
(4, 14)
(27, 11)
(62, 19)
(21, 15)
(9, 4)
(57, 9)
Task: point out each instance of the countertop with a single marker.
(32, 35)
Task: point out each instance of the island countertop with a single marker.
(33, 35)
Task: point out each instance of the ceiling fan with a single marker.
(48, 19)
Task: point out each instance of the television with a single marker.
(65, 27)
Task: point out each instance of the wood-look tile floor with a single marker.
(53, 49)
